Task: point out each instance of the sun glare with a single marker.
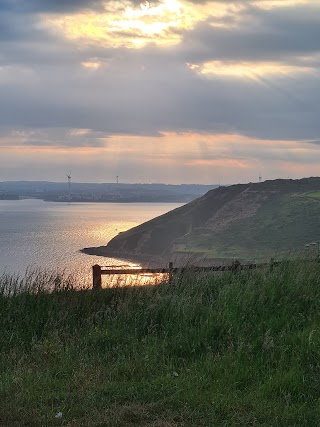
(124, 25)
(270, 4)
(250, 70)
(91, 65)
(144, 5)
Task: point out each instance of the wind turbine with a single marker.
(69, 184)
(260, 177)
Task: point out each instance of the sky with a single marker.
(168, 91)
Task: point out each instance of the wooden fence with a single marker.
(98, 271)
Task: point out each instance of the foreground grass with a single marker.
(239, 349)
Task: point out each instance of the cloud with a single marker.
(179, 158)
(249, 70)
(52, 6)
(52, 137)
(263, 35)
(122, 97)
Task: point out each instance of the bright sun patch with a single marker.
(161, 22)
(91, 65)
(270, 4)
(250, 70)
(125, 25)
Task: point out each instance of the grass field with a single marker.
(236, 349)
(314, 194)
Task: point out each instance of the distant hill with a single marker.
(245, 220)
(104, 192)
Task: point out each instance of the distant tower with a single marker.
(69, 185)
(117, 179)
(260, 177)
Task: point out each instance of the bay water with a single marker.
(43, 235)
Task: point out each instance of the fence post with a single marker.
(236, 265)
(96, 276)
(170, 272)
(271, 264)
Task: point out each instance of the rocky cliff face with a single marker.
(241, 220)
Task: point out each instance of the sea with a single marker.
(35, 234)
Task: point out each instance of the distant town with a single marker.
(106, 192)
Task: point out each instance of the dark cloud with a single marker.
(62, 6)
(278, 34)
(315, 141)
(52, 137)
(49, 6)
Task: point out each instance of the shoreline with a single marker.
(144, 260)
(178, 258)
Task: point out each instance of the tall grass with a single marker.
(38, 281)
(235, 349)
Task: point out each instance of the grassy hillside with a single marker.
(238, 349)
(283, 223)
(247, 221)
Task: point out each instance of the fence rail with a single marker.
(98, 271)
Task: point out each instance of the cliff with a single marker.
(252, 220)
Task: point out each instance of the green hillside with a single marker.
(246, 220)
(282, 223)
(229, 350)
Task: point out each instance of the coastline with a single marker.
(144, 260)
(178, 258)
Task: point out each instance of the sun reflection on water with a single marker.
(144, 279)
